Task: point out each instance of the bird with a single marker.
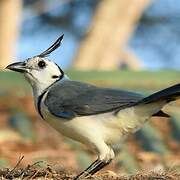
(98, 117)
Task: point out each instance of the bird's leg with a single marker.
(92, 169)
(86, 171)
(97, 165)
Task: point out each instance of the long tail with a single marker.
(169, 94)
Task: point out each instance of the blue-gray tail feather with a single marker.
(169, 94)
(161, 114)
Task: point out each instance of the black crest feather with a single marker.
(53, 47)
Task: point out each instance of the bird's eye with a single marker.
(54, 76)
(41, 64)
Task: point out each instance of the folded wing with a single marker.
(69, 99)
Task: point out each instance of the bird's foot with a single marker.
(92, 169)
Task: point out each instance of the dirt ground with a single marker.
(33, 172)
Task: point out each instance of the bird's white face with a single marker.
(42, 71)
(39, 72)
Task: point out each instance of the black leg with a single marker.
(99, 166)
(85, 172)
(92, 169)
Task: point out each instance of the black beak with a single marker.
(18, 67)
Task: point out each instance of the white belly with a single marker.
(107, 127)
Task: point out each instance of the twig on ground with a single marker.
(28, 167)
(17, 164)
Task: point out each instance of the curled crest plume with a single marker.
(53, 47)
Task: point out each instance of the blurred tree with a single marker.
(10, 11)
(66, 14)
(155, 41)
(104, 47)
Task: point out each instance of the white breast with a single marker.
(87, 129)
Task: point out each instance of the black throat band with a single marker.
(39, 103)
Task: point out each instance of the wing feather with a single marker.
(69, 99)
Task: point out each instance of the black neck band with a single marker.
(42, 95)
(39, 103)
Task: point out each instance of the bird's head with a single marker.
(38, 70)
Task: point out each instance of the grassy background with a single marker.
(146, 81)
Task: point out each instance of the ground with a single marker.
(33, 172)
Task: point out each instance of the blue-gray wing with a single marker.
(69, 99)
